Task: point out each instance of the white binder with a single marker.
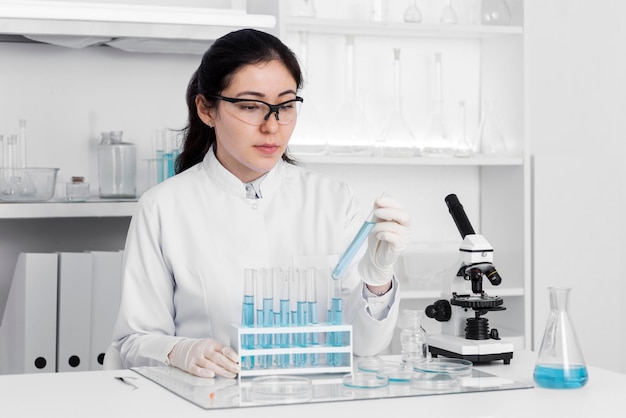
(105, 302)
(29, 326)
(74, 314)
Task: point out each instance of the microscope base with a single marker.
(476, 351)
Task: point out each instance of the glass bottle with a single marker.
(117, 166)
(309, 136)
(413, 336)
(489, 137)
(397, 138)
(351, 133)
(438, 142)
(413, 14)
(495, 12)
(560, 363)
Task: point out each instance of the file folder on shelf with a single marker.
(74, 314)
(29, 326)
(105, 302)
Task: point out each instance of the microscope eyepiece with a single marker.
(458, 214)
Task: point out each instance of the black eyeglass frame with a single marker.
(274, 108)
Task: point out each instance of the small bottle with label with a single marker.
(77, 190)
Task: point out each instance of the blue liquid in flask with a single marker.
(556, 376)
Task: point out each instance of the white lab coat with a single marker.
(193, 235)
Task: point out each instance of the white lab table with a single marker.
(99, 394)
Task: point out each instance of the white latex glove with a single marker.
(389, 237)
(205, 358)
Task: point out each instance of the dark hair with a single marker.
(227, 55)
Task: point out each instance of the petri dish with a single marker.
(281, 388)
(434, 381)
(365, 380)
(456, 367)
(376, 365)
(398, 375)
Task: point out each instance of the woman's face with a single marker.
(247, 150)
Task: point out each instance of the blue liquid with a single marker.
(352, 249)
(314, 338)
(265, 318)
(247, 341)
(557, 377)
(170, 162)
(301, 318)
(283, 339)
(160, 166)
(334, 338)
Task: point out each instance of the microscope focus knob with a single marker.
(441, 310)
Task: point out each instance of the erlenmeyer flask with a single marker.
(438, 142)
(309, 137)
(495, 12)
(351, 133)
(560, 363)
(397, 138)
(413, 14)
(448, 15)
(489, 138)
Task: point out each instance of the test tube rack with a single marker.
(322, 349)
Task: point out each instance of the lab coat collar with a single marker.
(230, 183)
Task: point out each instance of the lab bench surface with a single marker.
(100, 394)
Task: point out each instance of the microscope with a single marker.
(465, 331)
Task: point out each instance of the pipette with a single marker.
(353, 248)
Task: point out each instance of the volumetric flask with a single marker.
(560, 363)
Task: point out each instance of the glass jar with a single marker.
(413, 336)
(117, 166)
(77, 190)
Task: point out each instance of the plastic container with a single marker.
(27, 184)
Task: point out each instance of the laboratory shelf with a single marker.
(95, 208)
(397, 29)
(410, 161)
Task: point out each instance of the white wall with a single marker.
(575, 102)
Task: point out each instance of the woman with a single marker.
(238, 201)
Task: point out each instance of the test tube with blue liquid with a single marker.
(265, 316)
(353, 248)
(281, 314)
(302, 317)
(311, 297)
(335, 317)
(247, 317)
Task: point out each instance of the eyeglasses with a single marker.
(257, 112)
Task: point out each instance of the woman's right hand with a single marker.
(205, 358)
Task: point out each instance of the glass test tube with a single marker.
(281, 289)
(265, 316)
(311, 297)
(335, 309)
(301, 318)
(292, 274)
(247, 316)
(159, 151)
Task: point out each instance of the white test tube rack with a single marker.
(345, 350)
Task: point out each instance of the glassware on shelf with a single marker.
(117, 169)
(379, 10)
(490, 140)
(21, 157)
(412, 14)
(397, 139)
(305, 8)
(463, 148)
(438, 142)
(495, 12)
(351, 133)
(560, 363)
(309, 136)
(448, 15)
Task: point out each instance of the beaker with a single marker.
(560, 363)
